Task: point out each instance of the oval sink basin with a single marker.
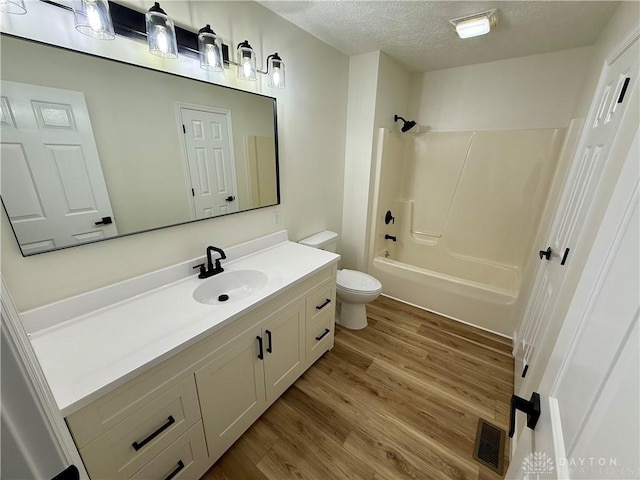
(229, 286)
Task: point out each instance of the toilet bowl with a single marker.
(353, 290)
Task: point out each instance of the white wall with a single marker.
(311, 127)
(537, 91)
(378, 89)
(363, 78)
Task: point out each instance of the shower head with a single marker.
(407, 124)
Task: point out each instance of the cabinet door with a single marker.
(231, 391)
(283, 337)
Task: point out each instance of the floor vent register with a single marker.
(489, 446)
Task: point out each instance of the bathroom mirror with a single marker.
(94, 149)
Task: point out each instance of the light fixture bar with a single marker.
(475, 25)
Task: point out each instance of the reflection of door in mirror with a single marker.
(210, 160)
(53, 188)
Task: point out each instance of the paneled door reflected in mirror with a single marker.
(94, 149)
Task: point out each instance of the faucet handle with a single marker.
(202, 270)
(218, 268)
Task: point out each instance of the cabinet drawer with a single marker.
(320, 337)
(125, 448)
(184, 459)
(320, 301)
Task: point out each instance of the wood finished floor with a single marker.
(399, 399)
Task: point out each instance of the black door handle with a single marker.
(230, 198)
(270, 347)
(261, 353)
(104, 221)
(545, 253)
(530, 407)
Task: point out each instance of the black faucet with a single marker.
(211, 269)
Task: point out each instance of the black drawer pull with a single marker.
(176, 471)
(270, 347)
(137, 446)
(324, 334)
(324, 304)
(564, 257)
(260, 353)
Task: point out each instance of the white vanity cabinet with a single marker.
(249, 374)
(177, 418)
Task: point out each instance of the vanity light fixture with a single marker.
(16, 7)
(247, 69)
(210, 50)
(275, 70)
(161, 33)
(246, 61)
(108, 18)
(92, 18)
(476, 24)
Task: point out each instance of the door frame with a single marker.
(34, 376)
(178, 106)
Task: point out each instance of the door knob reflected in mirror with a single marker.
(545, 253)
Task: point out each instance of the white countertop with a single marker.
(89, 355)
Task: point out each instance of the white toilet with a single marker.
(354, 289)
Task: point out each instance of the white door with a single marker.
(210, 160)
(52, 182)
(615, 88)
(589, 423)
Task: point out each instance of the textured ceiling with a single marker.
(418, 35)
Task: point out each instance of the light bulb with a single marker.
(246, 67)
(275, 77)
(162, 39)
(93, 15)
(212, 57)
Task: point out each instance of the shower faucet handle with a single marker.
(390, 237)
(389, 218)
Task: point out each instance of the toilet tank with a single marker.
(326, 240)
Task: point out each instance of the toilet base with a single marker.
(352, 315)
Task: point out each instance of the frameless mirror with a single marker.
(94, 149)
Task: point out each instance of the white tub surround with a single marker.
(97, 341)
(466, 207)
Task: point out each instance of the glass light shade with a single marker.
(246, 61)
(15, 7)
(92, 18)
(473, 27)
(210, 50)
(161, 33)
(275, 67)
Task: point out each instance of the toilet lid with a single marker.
(357, 281)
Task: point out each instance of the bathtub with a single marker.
(484, 297)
